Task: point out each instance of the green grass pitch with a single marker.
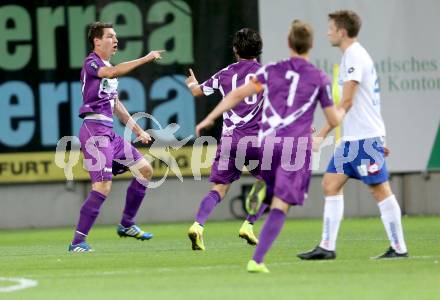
(166, 268)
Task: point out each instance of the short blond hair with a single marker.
(300, 37)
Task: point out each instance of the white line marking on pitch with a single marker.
(22, 283)
(212, 267)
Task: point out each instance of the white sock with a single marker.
(333, 212)
(391, 218)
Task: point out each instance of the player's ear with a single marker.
(96, 41)
(343, 32)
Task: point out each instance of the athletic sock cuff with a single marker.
(388, 203)
(335, 198)
(98, 195)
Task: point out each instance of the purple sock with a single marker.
(87, 216)
(207, 206)
(252, 219)
(135, 194)
(271, 229)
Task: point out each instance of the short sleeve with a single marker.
(325, 92)
(353, 68)
(92, 66)
(209, 86)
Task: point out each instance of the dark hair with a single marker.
(247, 43)
(96, 30)
(348, 20)
(300, 37)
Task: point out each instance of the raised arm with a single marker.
(125, 117)
(230, 101)
(193, 84)
(126, 67)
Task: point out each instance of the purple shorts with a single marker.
(230, 158)
(287, 174)
(105, 153)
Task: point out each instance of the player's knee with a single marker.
(221, 189)
(279, 204)
(380, 191)
(326, 185)
(377, 193)
(147, 171)
(103, 187)
(329, 187)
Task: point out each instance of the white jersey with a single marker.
(364, 119)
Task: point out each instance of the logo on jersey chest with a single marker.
(109, 85)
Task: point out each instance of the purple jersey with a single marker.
(99, 94)
(242, 120)
(292, 88)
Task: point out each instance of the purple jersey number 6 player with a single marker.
(240, 127)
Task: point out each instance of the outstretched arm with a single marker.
(126, 67)
(230, 101)
(125, 117)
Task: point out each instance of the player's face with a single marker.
(108, 43)
(334, 34)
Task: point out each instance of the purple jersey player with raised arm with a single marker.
(106, 153)
(240, 128)
(292, 88)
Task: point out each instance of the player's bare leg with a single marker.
(221, 189)
(104, 187)
(380, 191)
